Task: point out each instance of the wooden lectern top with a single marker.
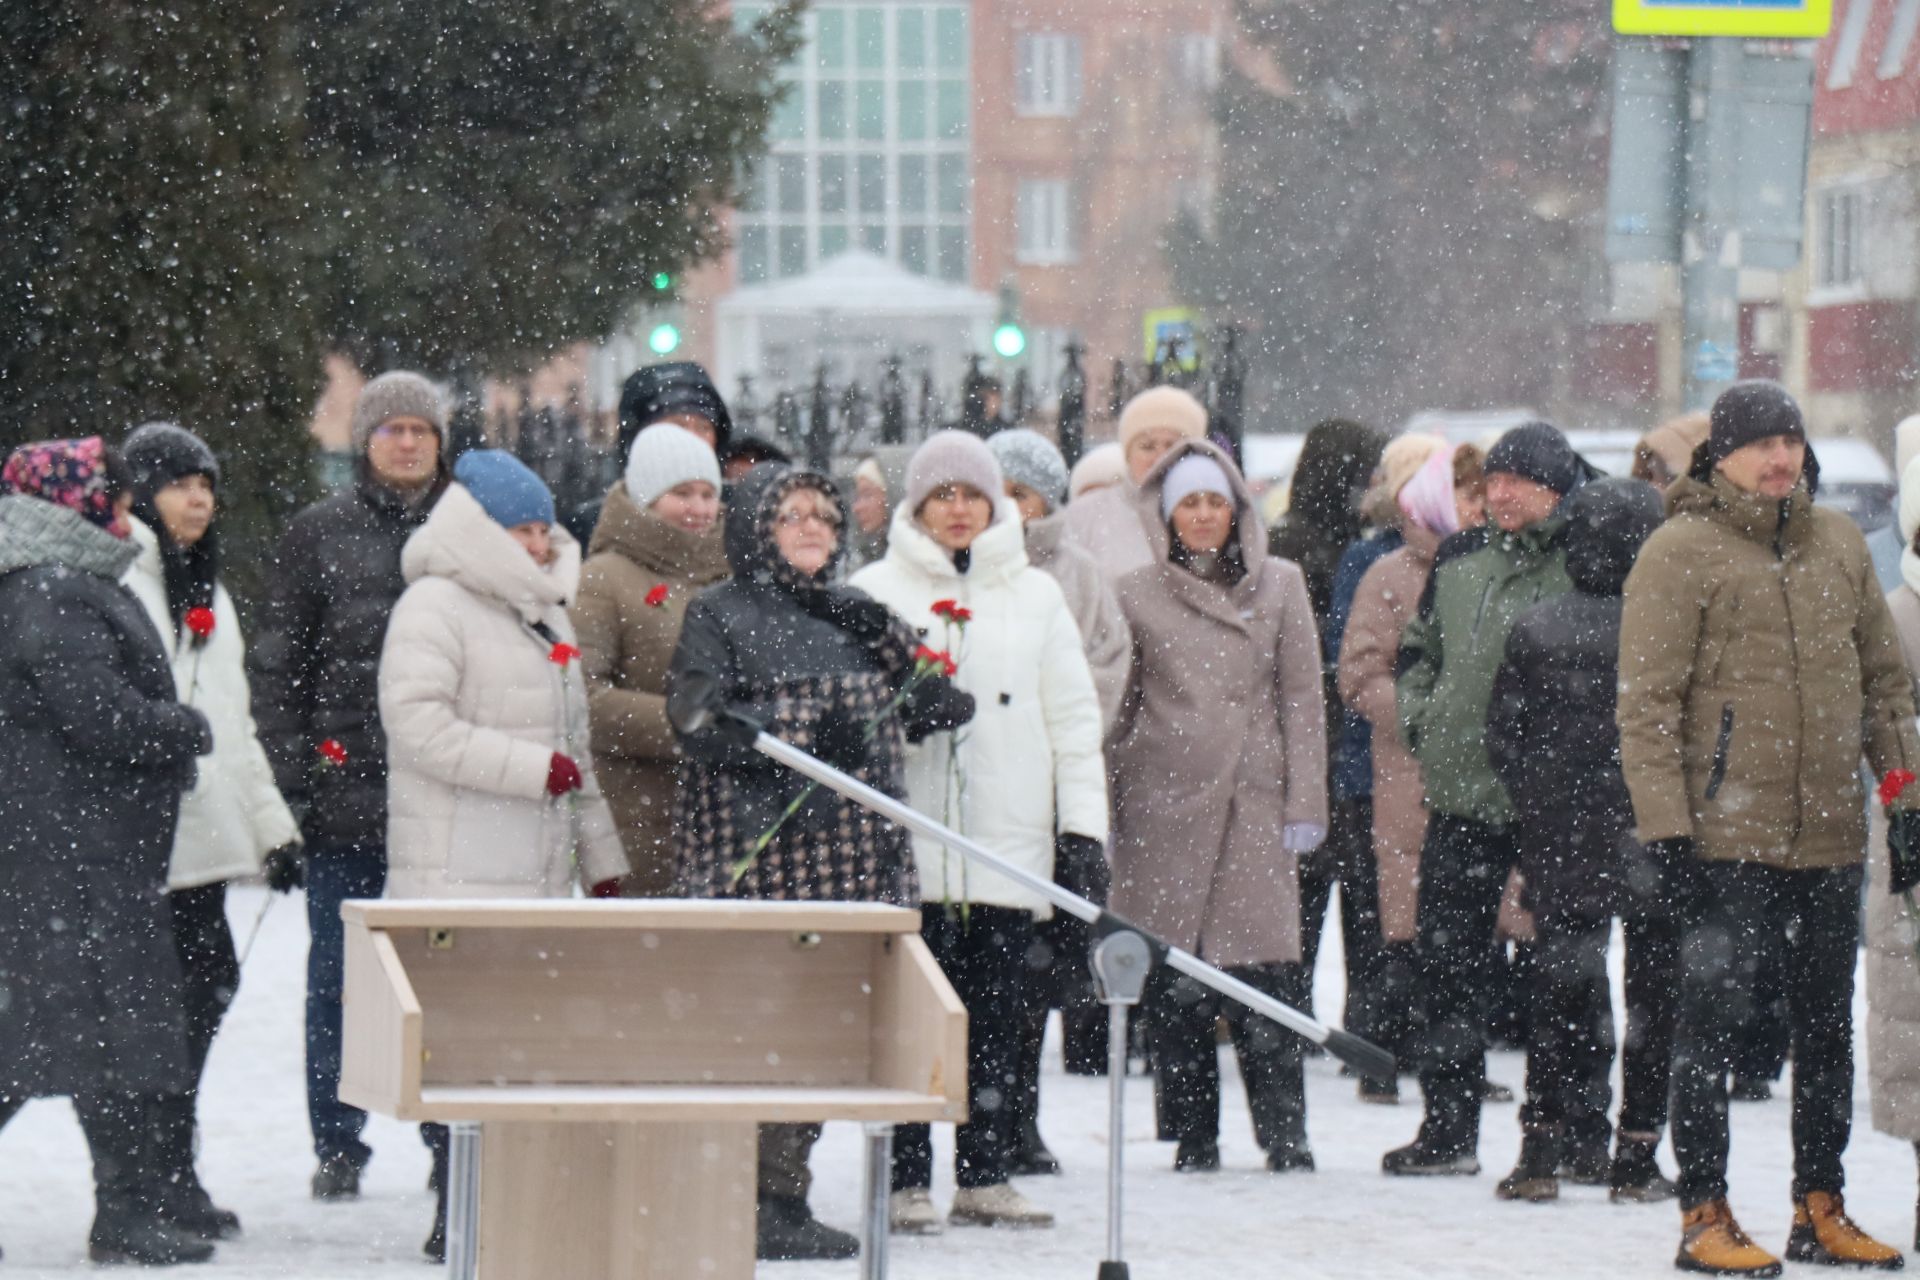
(647, 1011)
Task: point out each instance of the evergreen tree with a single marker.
(508, 177)
(1405, 210)
(149, 240)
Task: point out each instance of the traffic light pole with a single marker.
(1710, 250)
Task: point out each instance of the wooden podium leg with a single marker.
(592, 1201)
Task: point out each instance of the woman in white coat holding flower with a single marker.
(1025, 778)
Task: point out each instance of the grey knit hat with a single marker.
(1029, 458)
(399, 394)
(952, 457)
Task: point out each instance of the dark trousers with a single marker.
(211, 972)
(1653, 1004)
(1570, 1041)
(1346, 860)
(983, 952)
(1463, 873)
(1059, 976)
(334, 874)
(1739, 910)
(1766, 1038)
(1181, 1020)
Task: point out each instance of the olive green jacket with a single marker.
(1757, 662)
(1483, 579)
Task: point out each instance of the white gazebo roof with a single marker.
(859, 283)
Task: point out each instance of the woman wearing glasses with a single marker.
(821, 667)
(1027, 771)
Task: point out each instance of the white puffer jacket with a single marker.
(475, 706)
(1033, 748)
(234, 816)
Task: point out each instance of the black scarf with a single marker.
(190, 573)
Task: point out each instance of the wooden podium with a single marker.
(618, 1058)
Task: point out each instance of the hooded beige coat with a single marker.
(1893, 935)
(1220, 744)
(475, 706)
(634, 591)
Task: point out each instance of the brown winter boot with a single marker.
(1713, 1243)
(1822, 1232)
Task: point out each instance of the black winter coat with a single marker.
(315, 659)
(786, 653)
(1551, 733)
(95, 752)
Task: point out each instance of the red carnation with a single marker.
(657, 596)
(199, 621)
(926, 657)
(952, 611)
(1893, 784)
(562, 653)
(333, 753)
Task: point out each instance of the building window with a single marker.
(1044, 218)
(1846, 50)
(1893, 58)
(872, 139)
(1046, 75)
(1840, 250)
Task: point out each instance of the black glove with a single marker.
(1903, 849)
(1080, 866)
(840, 739)
(854, 612)
(285, 869)
(936, 706)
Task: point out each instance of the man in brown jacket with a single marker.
(1757, 661)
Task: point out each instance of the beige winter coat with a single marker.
(1757, 661)
(634, 591)
(475, 706)
(1893, 941)
(1387, 599)
(1106, 525)
(1219, 746)
(1095, 608)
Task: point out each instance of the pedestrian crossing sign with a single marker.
(1754, 19)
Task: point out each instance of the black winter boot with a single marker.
(127, 1187)
(1635, 1177)
(788, 1232)
(1197, 1155)
(127, 1231)
(1533, 1179)
(183, 1201)
(1030, 1155)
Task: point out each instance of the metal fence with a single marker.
(827, 423)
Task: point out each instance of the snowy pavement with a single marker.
(1341, 1221)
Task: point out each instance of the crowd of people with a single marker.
(1499, 701)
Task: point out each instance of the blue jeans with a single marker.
(334, 874)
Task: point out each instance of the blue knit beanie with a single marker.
(505, 488)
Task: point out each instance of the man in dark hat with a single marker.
(1758, 662)
(1482, 580)
(680, 392)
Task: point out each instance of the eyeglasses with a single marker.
(794, 519)
(403, 431)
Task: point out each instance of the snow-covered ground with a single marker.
(1343, 1220)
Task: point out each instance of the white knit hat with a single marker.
(1029, 458)
(664, 456)
(952, 457)
(1195, 473)
(1099, 467)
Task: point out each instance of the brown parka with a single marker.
(1757, 662)
(639, 577)
(1219, 745)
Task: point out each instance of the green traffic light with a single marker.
(662, 280)
(664, 339)
(1009, 340)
